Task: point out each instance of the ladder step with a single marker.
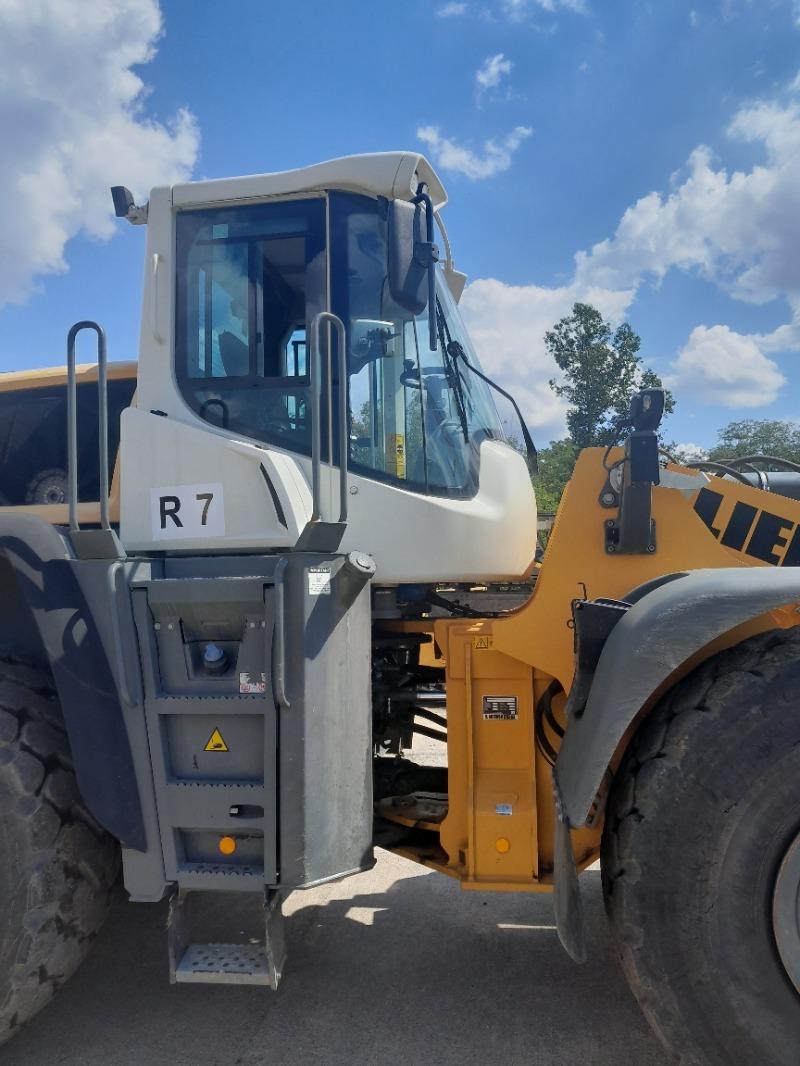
(232, 964)
(255, 921)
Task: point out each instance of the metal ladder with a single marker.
(213, 751)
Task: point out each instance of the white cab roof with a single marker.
(390, 174)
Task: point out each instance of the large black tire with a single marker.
(57, 866)
(702, 811)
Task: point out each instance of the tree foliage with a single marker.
(602, 370)
(556, 464)
(758, 437)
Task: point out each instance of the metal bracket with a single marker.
(593, 621)
(633, 531)
(620, 538)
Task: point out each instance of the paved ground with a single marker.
(397, 967)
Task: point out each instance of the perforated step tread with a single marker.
(234, 964)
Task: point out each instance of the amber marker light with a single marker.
(227, 845)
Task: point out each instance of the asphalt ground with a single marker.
(396, 966)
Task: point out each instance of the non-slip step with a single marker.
(234, 964)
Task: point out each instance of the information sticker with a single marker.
(251, 685)
(319, 580)
(500, 708)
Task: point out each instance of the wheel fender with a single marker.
(657, 634)
(72, 620)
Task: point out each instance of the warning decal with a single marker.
(215, 742)
(500, 708)
(319, 580)
(249, 686)
(482, 643)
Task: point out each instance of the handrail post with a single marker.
(316, 413)
(72, 423)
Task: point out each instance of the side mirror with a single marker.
(413, 257)
(408, 276)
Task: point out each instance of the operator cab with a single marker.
(255, 260)
(251, 278)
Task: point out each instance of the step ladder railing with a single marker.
(72, 423)
(316, 413)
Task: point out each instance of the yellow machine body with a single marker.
(497, 829)
(25, 383)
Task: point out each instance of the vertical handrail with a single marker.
(279, 638)
(72, 424)
(316, 413)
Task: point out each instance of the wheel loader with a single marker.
(231, 600)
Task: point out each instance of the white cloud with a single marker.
(73, 121)
(518, 9)
(720, 366)
(451, 10)
(494, 69)
(740, 230)
(688, 452)
(495, 158)
(584, 66)
(507, 324)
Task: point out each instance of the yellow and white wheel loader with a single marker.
(238, 577)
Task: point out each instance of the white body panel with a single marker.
(413, 538)
(389, 174)
(160, 453)
(165, 446)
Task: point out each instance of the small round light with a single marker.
(227, 845)
(503, 845)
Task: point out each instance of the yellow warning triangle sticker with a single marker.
(216, 742)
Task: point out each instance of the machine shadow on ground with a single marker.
(398, 966)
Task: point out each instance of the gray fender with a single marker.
(656, 635)
(66, 613)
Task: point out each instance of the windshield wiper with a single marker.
(456, 351)
(453, 376)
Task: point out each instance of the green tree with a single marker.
(556, 464)
(602, 370)
(758, 437)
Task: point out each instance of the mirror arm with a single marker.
(427, 254)
(448, 251)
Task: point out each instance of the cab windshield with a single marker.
(250, 280)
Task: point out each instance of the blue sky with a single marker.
(659, 143)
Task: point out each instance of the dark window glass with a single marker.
(250, 279)
(417, 417)
(33, 441)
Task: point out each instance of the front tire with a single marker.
(57, 866)
(702, 814)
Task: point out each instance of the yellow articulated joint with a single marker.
(490, 833)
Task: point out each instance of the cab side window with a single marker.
(250, 279)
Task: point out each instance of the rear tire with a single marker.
(57, 866)
(703, 810)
